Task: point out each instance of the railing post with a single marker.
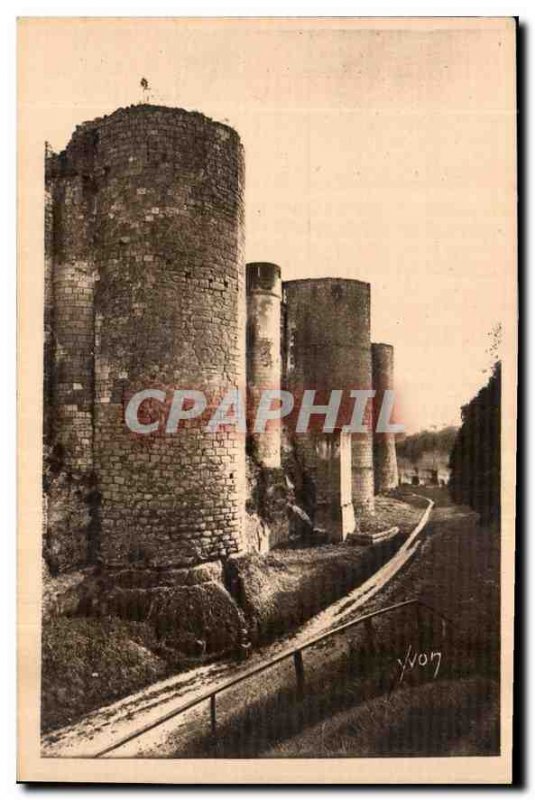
(376, 648)
(299, 673)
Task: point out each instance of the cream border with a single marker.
(31, 767)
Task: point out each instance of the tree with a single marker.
(414, 446)
(475, 460)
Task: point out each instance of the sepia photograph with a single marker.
(267, 377)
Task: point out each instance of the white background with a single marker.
(9, 12)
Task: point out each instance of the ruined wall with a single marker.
(145, 288)
(268, 492)
(327, 346)
(264, 293)
(384, 445)
(324, 489)
(68, 357)
(70, 282)
(149, 210)
(430, 469)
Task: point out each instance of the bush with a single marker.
(88, 663)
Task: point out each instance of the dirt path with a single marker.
(105, 727)
(455, 570)
(457, 694)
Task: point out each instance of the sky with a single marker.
(373, 151)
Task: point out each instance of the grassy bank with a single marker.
(89, 662)
(357, 700)
(279, 591)
(447, 718)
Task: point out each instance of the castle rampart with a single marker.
(264, 292)
(146, 289)
(149, 291)
(384, 445)
(327, 346)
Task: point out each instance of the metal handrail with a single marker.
(295, 652)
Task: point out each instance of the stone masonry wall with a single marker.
(384, 444)
(68, 360)
(149, 291)
(268, 492)
(264, 292)
(145, 288)
(71, 283)
(327, 346)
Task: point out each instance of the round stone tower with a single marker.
(69, 304)
(327, 346)
(384, 444)
(264, 292)
(165, 234)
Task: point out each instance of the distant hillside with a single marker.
(414, 446)
(423, 458)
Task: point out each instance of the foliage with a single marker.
(88, 663)
(414, 446)
(476, 456)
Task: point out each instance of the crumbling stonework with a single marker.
(146, 289)
(264, 293)
(68, 363)
(327, 346)
(384, 445)
(268, 495)
(148, 284)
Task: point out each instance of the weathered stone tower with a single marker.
(264, 293)
(327, 346)
(145, 290)
(148, 286)
(384, 445)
